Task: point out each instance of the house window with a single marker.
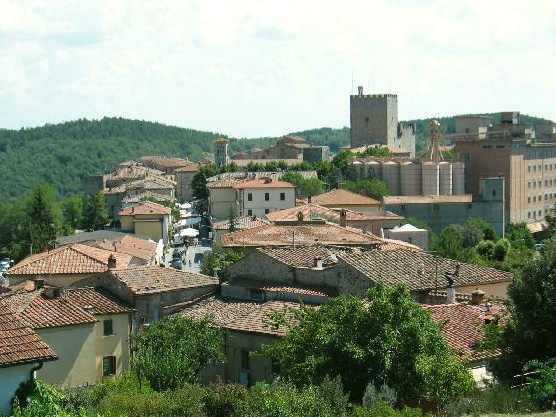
(108, 327)
(249, 212)
(540, 213)
(266, 211)
(402, 207)
(245, 363)
(529, 199)
(282, 196)
(108, 365)
(528, 214)
(535, 199)
(529, 169)
(249, 197)
(436, 207)
(493, 193)
(266, 196)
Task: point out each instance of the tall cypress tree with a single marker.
(43, 219)
(95, 215)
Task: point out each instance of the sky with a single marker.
(267, 68)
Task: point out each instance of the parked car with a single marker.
(176, 263)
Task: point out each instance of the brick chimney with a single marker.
(39, 283)
(343, 218)
(477, 297)
(111, 262)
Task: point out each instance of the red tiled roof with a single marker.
(248, 317)
(339, 198)
(19, 344)
(303, 233)
(258, 320)
(39, 310)
(461, 326)
(145, 207)
(264, 183)
(320, 291)
(419, 270)
(243, 222)
(156, 279)
(70, 259)
(138, 248)
(304, 256)
(314, 210)
(165, 162)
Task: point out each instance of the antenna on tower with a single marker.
(434, 142)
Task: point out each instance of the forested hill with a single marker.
(62, 154)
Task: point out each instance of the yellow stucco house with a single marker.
(148, 219)
(89, 330)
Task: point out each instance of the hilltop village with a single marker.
(238, 238)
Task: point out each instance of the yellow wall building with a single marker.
(147, 218)
(88, 330)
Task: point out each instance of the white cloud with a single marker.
(251, 68)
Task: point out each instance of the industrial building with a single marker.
(512, 150)
(412, 178)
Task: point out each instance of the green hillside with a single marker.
(62, 154)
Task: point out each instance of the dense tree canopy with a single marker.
(531, 332)
(172, 351)
(386, 339)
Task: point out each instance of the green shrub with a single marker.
(225, 400)
(373, 397)
(541, 386)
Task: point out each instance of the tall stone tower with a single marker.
(221, 157)
(374, 120)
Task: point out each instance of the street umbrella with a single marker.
(189, 232)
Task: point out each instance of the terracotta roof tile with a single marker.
(39, 310)
(339, 198)
(264, 183)
(138, 248)
(190, 168)
(165, 162)
(303, 234)
(19, 344)
(241, 223)
(246, 176)
(241, 316)
(320, 291)
(461, 326)
(145, 207)
(311, 210)
(245, 162)
(419, 270)
(304, 256)
(157, 279)
(71, 259)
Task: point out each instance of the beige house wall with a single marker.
(75, 347)
(221, 201)
(116, 344)
(258, 205)
(127, 223)
(152, 229)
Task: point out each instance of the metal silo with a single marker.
(445, 169)
(430, 178)
(373, 169)
(458, 178)
(359, 168)
(410, 174)
(391, 176)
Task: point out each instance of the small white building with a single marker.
(410, 234)
(264, 195)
